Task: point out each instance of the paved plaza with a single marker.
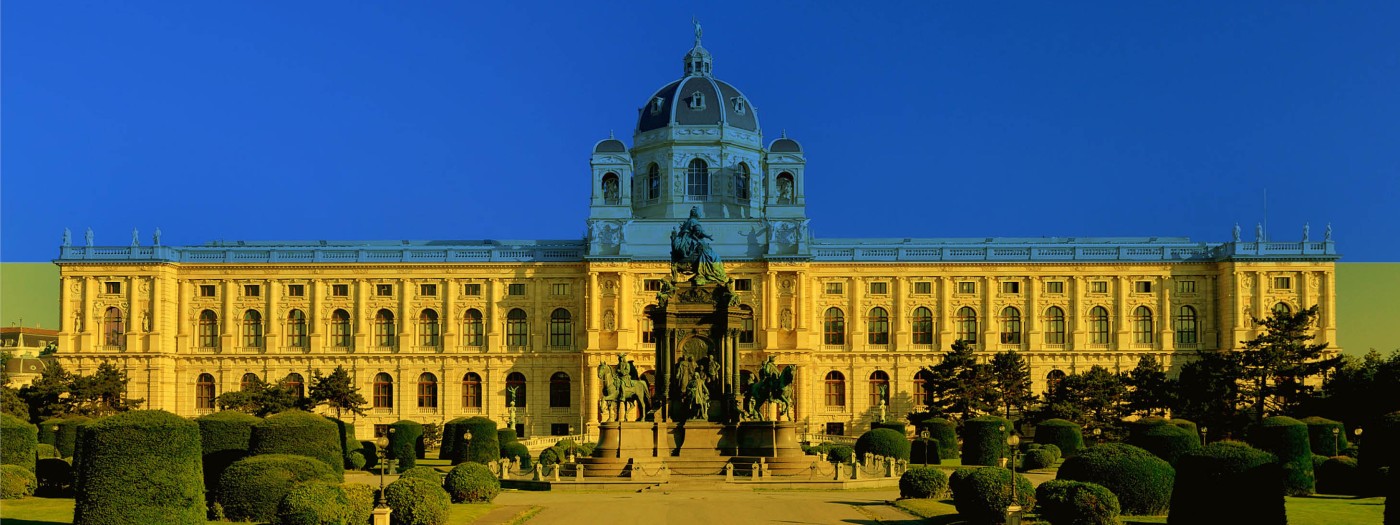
(710, 504)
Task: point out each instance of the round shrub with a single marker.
(516, 449)
(1141, 480)
(506, 435)
(471, 483)
(983, 495)
(361, 498)
(251, 488)
(223, 439)
(892, 425)
(883, 442)
(450, 435)
(1321, 438)
(483, 448)
(405, 440)
(958, 476)
(141, 466)
(1338, 475)
(1052, 449)
(371, 453)
(945, 432)
(923, 482)
(840, 454)
(1168, 442)
(16, 482)
(55, 477)
(424, 473)
(45, 451)
(349, 445)
(1287, 438)
(924, 451)
(357, 460)
(549, 457)
(66, 439)
(1189, 426)
(417, 502)
(314, 503)
(1037, 458)
(299, 433)
(1064, 502)
(1064, 434)
(19, 441)
(984, 440)
(1227, 482)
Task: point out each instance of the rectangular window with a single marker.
(1098, 287)
(252, 290)
(112, 287)
(967, 287)
(340, 290)
(835, 288)
(515, 289)
(560, 289)
(879, 288)
(429, 290)
(1142, 286)
(1186, 287)
(381, 431)
(473, 289)
(651, 285)
(558, 429)
(1011, 287)
(1283, 283)
(1055, 287)
(923, 287)
(384, 290)
(208, 290)
(296, 290)
(520, 430)
(743, 285)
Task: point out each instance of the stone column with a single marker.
(271, 335)
(1164, 308)
(944, 313)
(361, 316)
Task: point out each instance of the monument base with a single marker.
(695, 448)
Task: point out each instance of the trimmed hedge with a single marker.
(471, 483)
(1038, 458)
(66, 439)
(1228, 482)
(517, 449)
(840, 453)
(483, 448)
(424, 473)
(1321, 438)
(1338, 475)
(982, 495)
(1064, 502)
(46, 451)
(924, 451)
(923, 482)
(506, 435)
(984, 440)
(299, 433)
(892, 425)
(314, 503)
(361, 497)
(17, 482)
(1287, 438)
(251, 488)
(883, 442)
(450, 435)
(138, 467)
(48, 431)
(370, 450)
(549, 457)
(945, 432)
(1168, 442)
(417, 502)
(1189, 425)
(223, 439)
(19, 442)
(349, 445)
(55, 477)
(405, 443)
(1141, 480)
(1067, 435)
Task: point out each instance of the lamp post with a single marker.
(923, 434)
(383, 443)
(467, 437)
(1013, 511)
(1205, 436)
(571, 455)
(1098, 436)
(1336, 441)
(1357, 432)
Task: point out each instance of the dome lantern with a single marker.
(698, 61)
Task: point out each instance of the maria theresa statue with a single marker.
(691, 252)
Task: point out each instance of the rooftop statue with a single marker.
(691, 254)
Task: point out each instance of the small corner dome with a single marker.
(785, 145)
(610, 146)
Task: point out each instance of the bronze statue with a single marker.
(691, 253)
(770, 387)
(618, 398)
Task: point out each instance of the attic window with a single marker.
(656, 105)
(697, 100)
(739, 106)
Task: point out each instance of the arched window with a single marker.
(1054, 326)
(112, 327)
(515, 382)
(746, 327)
(877, 327)
(249, 381)
(922, 324)
(296, 329)
(252, 329)
(204, 392)
(785, 188)
(879, 388)
(559, 390)
(967, 324)
(835, 389)
(471, 390)
(1010, 326)
(472, 328)
(428, 328)
(383, 390)
(1053, 380)
(612, 190)
(384, 328)
(741, 182)
(517, 332)
(834, 327)
(923, 388)
(1186, 325)
(427, 390)
(1098, 325)
(295, 383)
(653, 182)
(1142, 325)
(561, 328)
(340, 329)
(697, 179)
(208, 329)
(1283, 309)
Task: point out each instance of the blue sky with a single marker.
(473, 120)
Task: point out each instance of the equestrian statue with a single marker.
(623, 389)
(771, 386)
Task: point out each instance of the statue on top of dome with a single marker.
(698, 31)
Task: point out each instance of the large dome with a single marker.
(698, 99)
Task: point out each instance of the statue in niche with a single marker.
(610, 190)
(146, 321)
(691, 254)
(784, 190)
(88, 237)
(608, 321)
(67, 237)
(78, 322)
(785, 319)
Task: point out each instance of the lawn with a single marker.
(53, 511)
(1311, 510)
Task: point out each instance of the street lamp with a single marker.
(1336, 441)
(923, 434)
(1098, 436)
(467, 436)
(1205, 436)
(1357, 432)
(571, 455)
(1013, 511)
(383, 443)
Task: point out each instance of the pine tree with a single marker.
(1149, 391)
(1279, 366)
(1011, 380)
(1208, 391)
(337, 391)
(1095, 398)
(961, 386)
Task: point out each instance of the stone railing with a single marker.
(556, 251)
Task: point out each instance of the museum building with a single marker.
(435, 330)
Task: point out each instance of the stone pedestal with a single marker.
(380, 516)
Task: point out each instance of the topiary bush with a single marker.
(223, 439)
(892, 425)
(141, 466)
(55, 477)
(1338, 475)
(1168, 442)
(1321, 438)
(484, 447)
(361, 498)
(958, 476)
(1227, 482)
(1065, 502)
(506, 435)
(1037, 458)
(982, 495)
(417, 502)
(1378, 449)
(549, 457)
(45, 451)
(300, 433)
(48, 431)
(840, 453)
(1065, 435)
(984, 440)
(349, 445)
(16, 482)
(1142, 481)
(924, 451)
(883, 442)
(471, 483)
(451, 433)
(1189, 426)
(405, 440)
(251, 488)
(1287, 438)
(516, 449)
(66, 439)
(1052, 449)
(371, 453)
(425, 473)
(314, 503)
(943, 431)
(19, 442)
(923, 482)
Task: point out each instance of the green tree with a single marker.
(962, 387)
(1149, 392)
(1208, 391)
(336, 391)
(1095, 398)
(1362, 389)
(10, 402)
(47, 395)
(262, 399)
(432, 435)
(1279, 364)
(1011, 381)
(101, 394)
